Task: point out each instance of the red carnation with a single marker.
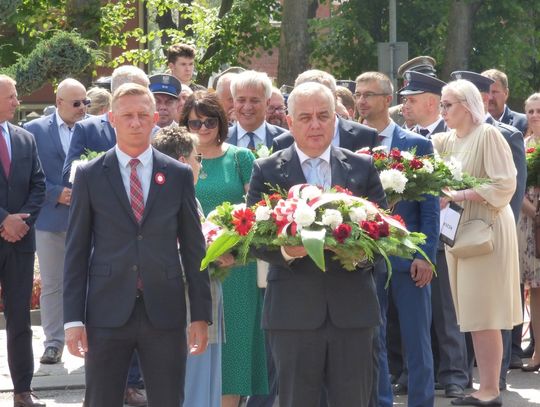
(416, 164)
(243, 220)
(363, 151)
(262, 202)
(384, 229)
(343, 190)
(342, 232)
(531, 150)
(379, 156)
(397, 166)
(396, 155)
(274, 197)
(371, 228)
(399, 219)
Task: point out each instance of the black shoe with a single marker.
(51, 356)
(473, 401)
(453, 391)
(399, 389)
(528, 351)
(515, 362)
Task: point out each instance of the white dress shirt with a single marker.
(243, 138)
(64, 131)
(5, 134)
(387, 135)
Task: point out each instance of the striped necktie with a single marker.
(4, 153)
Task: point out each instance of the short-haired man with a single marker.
(223, 92)
(132, 209)
(409, 285)
(166, 90)
(336, 312)
(181, 62)
(22, 192)
(498, 95)
(276, 110)
(251, 91)
(347, 134)
(53, 135)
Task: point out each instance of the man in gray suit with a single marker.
(251, 93)
(53, 135)
(124, 279)
(320, 325)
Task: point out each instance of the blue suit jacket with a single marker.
(95, 134)
(419, 216)
(53, 216)
(518, 120)
(271, 132)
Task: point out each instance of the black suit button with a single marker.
(135, 268)
(139, 237)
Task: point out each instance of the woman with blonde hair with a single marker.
(485, 287)
(100, 101)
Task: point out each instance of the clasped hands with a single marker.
(14, 227)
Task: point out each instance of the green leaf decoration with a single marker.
(223, 244)
(313, 241)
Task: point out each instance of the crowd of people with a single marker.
(119, 239)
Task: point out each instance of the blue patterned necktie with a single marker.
(315, 174)
(251, 144)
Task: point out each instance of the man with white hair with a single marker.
(96, 133)
(251, 93)
(335, 312)
(347, 134)
(53, 134)
(223, 92)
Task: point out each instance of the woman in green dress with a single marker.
(225, 174)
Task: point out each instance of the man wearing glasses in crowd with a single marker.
(276, 111)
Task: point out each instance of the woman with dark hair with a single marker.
(224, 176)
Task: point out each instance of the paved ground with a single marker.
(62, 385)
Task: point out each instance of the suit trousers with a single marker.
(162, 355)
(16, 280)
(339, 359)
(448, 342)
(50, 248)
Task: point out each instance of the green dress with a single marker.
(243, 354)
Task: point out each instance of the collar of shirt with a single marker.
(432, 126)
(144, 170)
(260, 134)
(335, 139)
(61, 123)
(387, 134)
(325, 156)
(5, 128)
(503, 112)
(123, 159)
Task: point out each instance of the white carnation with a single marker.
(455, 168)
(74, 165)
(379, 148)
(263, 151)
(393, 180)
(407, 156)
(357, 214)
(310, 192)
(304, 215)
(262, 213)
(428, 166)
(332, 218)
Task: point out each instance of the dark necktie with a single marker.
(135, 191)
(4, 153)
(251, 144)
(380, 138)
(424, 132)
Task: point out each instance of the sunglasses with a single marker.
(209, 123)
(199, 157)
(77, 103)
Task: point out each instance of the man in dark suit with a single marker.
(514, 138)
(498, 95)
(123, 283)
(347, 134)
(320, 324)
(53, 135)
(409, 285)
(251, 93)
(22, 192)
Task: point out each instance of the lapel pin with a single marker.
(159, 178)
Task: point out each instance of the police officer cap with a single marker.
(165, 84)
(424, 64)
(481, 82)
(418, 82)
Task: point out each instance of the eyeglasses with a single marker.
(199, 157)
(444, 107)
(77, 103)
(276, 109)
(209, 123)
(367, 95)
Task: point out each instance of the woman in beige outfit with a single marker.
(485, 288)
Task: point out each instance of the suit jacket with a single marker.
(419, 216)
(106, 248)
(441, 127)
(299, 295)
(53, 216)
(515, 119)
(24, 191)
(95, 134)
(515, 140)
(271, 132)
(352, 136)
